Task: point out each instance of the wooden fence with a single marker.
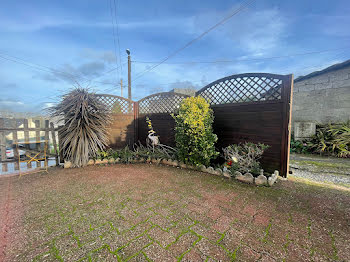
(253, 107)
(13, 128)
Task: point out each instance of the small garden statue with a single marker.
(152, 138)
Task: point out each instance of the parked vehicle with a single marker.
(10, 152)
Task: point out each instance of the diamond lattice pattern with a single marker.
(161, 103)
(116, 104)
(243, 89)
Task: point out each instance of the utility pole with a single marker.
(121, 87)
(129, 74)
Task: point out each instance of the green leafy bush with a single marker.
(333, 139)
(244, 157)
(300, 147)
(195, 140)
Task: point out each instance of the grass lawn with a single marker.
(154, 213)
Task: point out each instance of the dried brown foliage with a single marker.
(85, 130)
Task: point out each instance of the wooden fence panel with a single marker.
(122, 127)
(159, 107)
(20, 135)
(254, 108)
(163, 124)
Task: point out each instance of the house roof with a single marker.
(326, 70)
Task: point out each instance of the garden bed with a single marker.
(263, 179)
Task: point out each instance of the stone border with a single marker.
(248, 178)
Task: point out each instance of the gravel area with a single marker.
(322, 177)
(321, 169)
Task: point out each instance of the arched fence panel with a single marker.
(159, 107)
(254, 107)
(122, 129)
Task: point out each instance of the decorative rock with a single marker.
(67, 164)
(169, 161)
(182, 165)
(237, 174)
(164, 161)
(104, 161)
(174, 163)
(141, 160)
(154, 161)
(272, 179)
(202, 168)
(246, 178)
(158, 160)
(98, 161)
(261, 180)
(91, 162)
(218, 172)
(210, 170)
(227, 174)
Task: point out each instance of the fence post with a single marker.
(46, 144)
(3, 145)
(53, 134)
(287, 96)
(26, 138)
(15, 142)
(37, 139)
(136, 122)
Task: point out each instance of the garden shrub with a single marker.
(195, 140)
(244, 157)
(85, 131)
(300, 147)
(332, 139)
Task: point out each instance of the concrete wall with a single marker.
(322, 99)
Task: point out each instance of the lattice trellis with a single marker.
(243, 88)
(166, 102)
(117, 104)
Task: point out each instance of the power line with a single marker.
(36, 66)
(243, 6)
(113, 29)
(47, 69)
(117, 27)
(243, 60)
(107, 72)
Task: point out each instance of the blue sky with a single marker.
(76, 38)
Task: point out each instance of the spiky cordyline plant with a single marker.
(84, 132)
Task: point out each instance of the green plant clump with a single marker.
(333, 139)
(195, 140)
(299, 147)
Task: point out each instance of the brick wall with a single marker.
(322, 99)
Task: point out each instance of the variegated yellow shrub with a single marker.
(195, 140)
